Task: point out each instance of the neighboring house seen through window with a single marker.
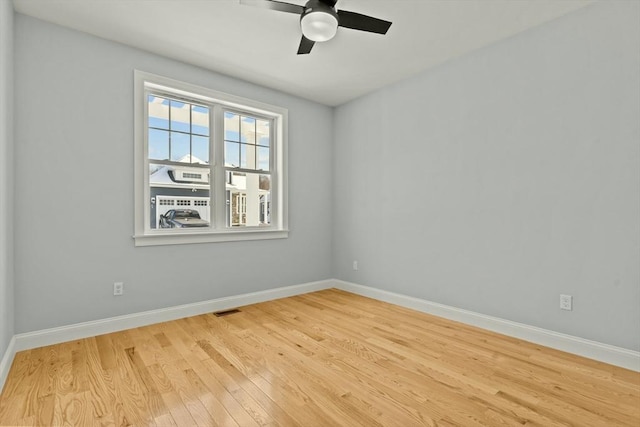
(209, 166)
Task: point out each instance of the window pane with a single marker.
(249, 131)
(248, 199)
(247, 156)
(232, 154)
(180, 147)
(231, 126)
(180, 116)
(158, 144)
(248, 128)
(263, 158)
(200, 149)
(179, 197)
(183, 158)
(262, 132)
(200, 120)
(158, 112)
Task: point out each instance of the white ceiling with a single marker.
(259, 45)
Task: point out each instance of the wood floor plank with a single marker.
(65, 409)
(182, 394)
(151, 394)
(20, 373)
(336, 375)
(326, 358)
(216, 409)
(327, 393)
(12, 409)
(103, 394)
(269, 376)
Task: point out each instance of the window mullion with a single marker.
(146, 191)
(274, 173)
(216, 141)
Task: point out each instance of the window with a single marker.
(209, 166)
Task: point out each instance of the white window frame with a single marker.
(144, 235)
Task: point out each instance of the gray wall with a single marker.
(6, 175)
(502, 179)
(493, 183)
(74, 189)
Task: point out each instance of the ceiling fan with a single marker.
(320, 20)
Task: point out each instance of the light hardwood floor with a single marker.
(321, 359)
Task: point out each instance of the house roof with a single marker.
(161, 176)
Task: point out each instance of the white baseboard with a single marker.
(7, 359)
(622, 357)
(594, 350)
(77, 331)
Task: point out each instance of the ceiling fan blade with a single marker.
(329, 3)
(275, 5)
(357, 21)
(305, 46)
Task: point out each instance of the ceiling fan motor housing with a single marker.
(319, 21)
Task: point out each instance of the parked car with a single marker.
(182, 218)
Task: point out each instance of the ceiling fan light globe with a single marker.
(319, 26)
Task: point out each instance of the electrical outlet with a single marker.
(355, 265)
(566, 302)
(118, 288)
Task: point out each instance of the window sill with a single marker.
(160, 238)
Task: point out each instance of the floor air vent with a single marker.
(226, 312)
